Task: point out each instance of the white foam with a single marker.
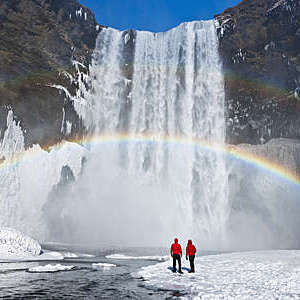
(122, 256)
(50, 268)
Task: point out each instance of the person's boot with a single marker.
(174, 270)
(180, 272)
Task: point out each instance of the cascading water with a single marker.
(141, 184)
(164, 85)
(148, 87)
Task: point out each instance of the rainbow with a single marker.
(229, 150)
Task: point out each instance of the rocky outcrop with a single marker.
(260, 46)
(284, 152)
(39, 41)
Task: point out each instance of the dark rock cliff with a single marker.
(39, 39)
(259, 43)
(260, 46)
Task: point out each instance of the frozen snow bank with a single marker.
(249, 275)
(14, 244)
(122, 256)
(50, 268)
(67, 254)
(105, 266)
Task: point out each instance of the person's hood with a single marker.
(190, 242)
(176, 240)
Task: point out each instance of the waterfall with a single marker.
(157, 85)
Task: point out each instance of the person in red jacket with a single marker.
(176, 253)
(190, 253)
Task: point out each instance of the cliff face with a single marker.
(259, 43)
(260, 46)
(39, 39)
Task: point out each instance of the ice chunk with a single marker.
(14, 244)
(50, 268)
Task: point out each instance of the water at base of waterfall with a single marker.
(84, 281)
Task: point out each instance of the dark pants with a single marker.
(178, 258)
(192, 264)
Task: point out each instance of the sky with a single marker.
(154, 15)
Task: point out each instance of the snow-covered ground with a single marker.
(248, 275)
(15, 244)
(123, 256)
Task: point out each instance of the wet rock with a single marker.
(261, 54)
(284, 152)
(39, 42)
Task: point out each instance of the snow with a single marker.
(50, 268)
(79, 12)
(28, 176)
(13, 139)
(126, 38)
(14, 244)
(105, 266)
(248, 275)
(67, 254)
(277, 4)
(122, 256)
(68, 128)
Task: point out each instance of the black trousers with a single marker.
(192, 262)
(176, 257)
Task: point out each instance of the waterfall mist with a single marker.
(140, 185)
(155, 85)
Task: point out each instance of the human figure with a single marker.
(176, 253)
(190, 254)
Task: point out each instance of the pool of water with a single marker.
(84, 281)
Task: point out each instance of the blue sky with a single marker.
(154, 15)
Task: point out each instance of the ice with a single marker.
(68, 128)
(50, 268)
(13, 140)
(248, 275)
(105, 266)
(122, 256)
(14, 244)
(126, 38)
(28, 176)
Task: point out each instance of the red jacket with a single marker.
(176, 248)
(190, 249)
